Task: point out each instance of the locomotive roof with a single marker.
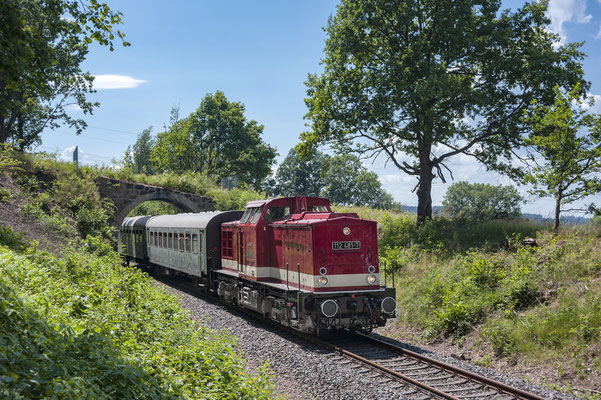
(136, 221)
(316, 200)
(192, 220)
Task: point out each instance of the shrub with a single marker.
(84, 326)
(5, 196)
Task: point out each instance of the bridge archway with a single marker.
(127, 195)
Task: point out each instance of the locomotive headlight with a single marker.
(323, 281)
(372, 279)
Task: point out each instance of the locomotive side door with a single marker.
(241, 245)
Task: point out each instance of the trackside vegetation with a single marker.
(77, 324)
(479, 288)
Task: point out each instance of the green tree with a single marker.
(42, 45)
(138, 157)
(420, 82)
(216, 140)
(481, 201)
(568, 139)
(296, 177)
(347, 181)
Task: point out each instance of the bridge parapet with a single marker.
(127, 195)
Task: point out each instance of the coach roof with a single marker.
(191, 220)
(139, 221)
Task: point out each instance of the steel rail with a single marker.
(384, 369)
(491, 383)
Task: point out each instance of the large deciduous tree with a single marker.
(216, 140)
(341, 178)
(422, 81)
(296, 177)
(568, 140)
(347, 181)
(42, 45)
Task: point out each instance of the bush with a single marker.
(5, 196)
(84, 326)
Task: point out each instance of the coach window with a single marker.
(180, 241)
(188, 243)
(170, 240)
(195, 244)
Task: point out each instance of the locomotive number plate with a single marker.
(346, 245)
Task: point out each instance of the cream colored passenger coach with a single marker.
(189, 243)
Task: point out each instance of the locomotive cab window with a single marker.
(246, 215)
(317, 208)
(256, 214)
(276, 213)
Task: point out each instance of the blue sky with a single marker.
(258, 53)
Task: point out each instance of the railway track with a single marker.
(431, 378)
(416, 375)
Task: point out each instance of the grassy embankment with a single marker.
(76, 324)
(535, 308)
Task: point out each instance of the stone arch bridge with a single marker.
(127, 195)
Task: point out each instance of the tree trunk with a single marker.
(424, 195)
(557, 212)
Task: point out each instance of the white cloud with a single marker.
(596, 107)
(67, 154)
(73, 107)
(564, 11)
(111, 81)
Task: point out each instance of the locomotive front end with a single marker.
(347, 291)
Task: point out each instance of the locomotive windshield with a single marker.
(251, 215)
(256, 214)
(245, 216)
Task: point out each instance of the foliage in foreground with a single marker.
(84, 326)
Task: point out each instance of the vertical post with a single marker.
(299, 283)
(76, 157)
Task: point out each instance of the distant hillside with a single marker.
(568, 219)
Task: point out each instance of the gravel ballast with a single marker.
(306, 371)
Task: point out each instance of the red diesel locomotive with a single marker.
(291, 259)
